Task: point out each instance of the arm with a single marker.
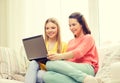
(62, 56)
(80, 49)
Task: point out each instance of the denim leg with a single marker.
(31, 74)
(54, 77)
(74, 70)
(40, 76)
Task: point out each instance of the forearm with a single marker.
(67, 55)
(62, 56)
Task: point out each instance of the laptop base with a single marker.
(42, 60)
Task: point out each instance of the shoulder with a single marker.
(88, 37)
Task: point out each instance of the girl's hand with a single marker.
(54, 56)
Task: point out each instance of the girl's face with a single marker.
(51, 30)
(75, 27)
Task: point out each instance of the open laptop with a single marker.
(35, 48)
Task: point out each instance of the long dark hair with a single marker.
(82, 21)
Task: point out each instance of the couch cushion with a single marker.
(9, 81)
(8, 63)
(23, 61)
(110, 55)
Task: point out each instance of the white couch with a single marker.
(110, 63)
(13, 64)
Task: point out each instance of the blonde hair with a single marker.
(58, 37)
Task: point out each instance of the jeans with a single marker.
(34, 74)
(67, 72)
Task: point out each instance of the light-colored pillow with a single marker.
(110, 54)
(23, 61)
(115, 72)
(8, 63)
(9, 81)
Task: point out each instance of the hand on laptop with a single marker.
(54, 56)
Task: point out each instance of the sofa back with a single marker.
(11, 62)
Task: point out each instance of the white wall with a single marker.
(38, 11)
(15, 22)
(109, 20)
(3, 20)
(68, 8)
(26, 18)
(94, 19)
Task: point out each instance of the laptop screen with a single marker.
(35, 47)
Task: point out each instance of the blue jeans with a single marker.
(34, 74)
(67, 72)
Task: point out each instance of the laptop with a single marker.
(35, 48)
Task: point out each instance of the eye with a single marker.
(53, 27)
(47, 28)
(73, 24)
(69, 25)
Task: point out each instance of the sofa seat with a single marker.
(14, 63)
(9, 81)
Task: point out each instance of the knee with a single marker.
(40, 76)
(33, 64)
(41, 73)
(52, 63)
(49, 64)
(114, 71)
